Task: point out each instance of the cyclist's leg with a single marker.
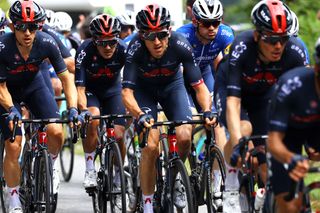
(148, 102)
(114, 105)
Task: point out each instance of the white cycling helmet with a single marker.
(295, 25)
(207, 10)
(62, 21)
(50, 18)
(126, 19)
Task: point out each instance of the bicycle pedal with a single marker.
(90, 190)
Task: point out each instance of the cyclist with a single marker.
(152, 75)
(3, 22)
(256, 60)
(127, 24)
(294, 121)
(98, 64)
(21, 54)
(209, 39)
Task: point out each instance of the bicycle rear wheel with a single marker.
(116, 193)
(67, 154)
(44, 195)
(25, 192)
(179, 176)
(2, 181)
(214, 178)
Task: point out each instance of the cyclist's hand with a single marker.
(313, 154)
(145, 121)
(298, 167)
(13, 112)
(73, 117)
(210, 118)
(83, 115)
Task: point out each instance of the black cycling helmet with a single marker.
(104, 25)
(272, 16)
(153, 17)
(26, 11)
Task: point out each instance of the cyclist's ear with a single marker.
(11, 27)
(256, 36)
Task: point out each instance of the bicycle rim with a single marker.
(211, 174)
(2, 181)
(25, 192)
(178, 168)
(67, 156)
(116, 191)
(43, 183)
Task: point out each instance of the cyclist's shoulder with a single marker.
(186, 30)
(122, 45)
(301, 72)
(225, 31)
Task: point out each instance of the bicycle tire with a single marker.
(215, 154)
(179, 168)
(2, 180)
(43, 182)
(114, 156)
(26, 188)
(67, 150)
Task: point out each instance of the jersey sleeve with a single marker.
(131, 67)
(80, 60)
(227, 39)
(297, 53)
(280, 108)
(63, 49)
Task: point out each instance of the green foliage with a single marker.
(305, 10)
(4, 5)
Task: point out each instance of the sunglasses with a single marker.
(30, 26)
(208, 24)
(273, 40)
(103, 43)
(151, 36)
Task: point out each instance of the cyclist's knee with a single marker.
(184, 133)
(55, 131)
(245, 128)
(283, 206)
(150, 152)
(119, 131)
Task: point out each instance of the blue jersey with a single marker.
(17, 71)
(295, 103)
(99, 75)
(205, 54)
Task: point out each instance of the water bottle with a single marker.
(259, 200)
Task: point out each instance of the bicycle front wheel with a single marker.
(116, 190)
(2, 181)
(182, 198)
(43, 183)
(67, 155)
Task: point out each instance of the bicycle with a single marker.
(109, 155)
(203, 174)
(36, 184)
(248, 177)
(2, 180)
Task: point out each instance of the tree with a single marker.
(4, 5)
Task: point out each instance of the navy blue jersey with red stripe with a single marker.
(145, 71)
(295, 103)
(96, 73)
(16, 71)
(248, 75)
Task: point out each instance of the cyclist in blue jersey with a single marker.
(256, 60)
(3, 22)
(98, 64)
(22, 51)
(294, 121)
(152, 75)
(127, 24)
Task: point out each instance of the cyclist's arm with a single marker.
(82, 99)
(276, 147)
(216, 61)
(130, 102)
(233, 107)
(69, 88)
(203, 97)
(69, 61)
(5, 97)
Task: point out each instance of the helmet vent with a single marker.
(278, 17)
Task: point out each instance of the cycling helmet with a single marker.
(207, 10)
(273, 16)
(26, 11)
(317, 52)
(295, 25)
(50, 17)
(153, 17)
(104, 25)
(126, 19)
(3, 20)
(62, 21)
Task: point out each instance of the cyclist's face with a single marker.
(157, 42)
(24, 37)
(126, 31)
(207, 29)
(106, 46)
(271, 47)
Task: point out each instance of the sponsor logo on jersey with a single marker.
(2, 46)
(238, 50)
(183, 44)
(289, 86)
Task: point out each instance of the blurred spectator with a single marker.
(127, 24)
(189, 9)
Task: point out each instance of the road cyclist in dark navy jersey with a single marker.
(256, 60)
(99, 61)
(152, 75)
(210, 40)
(294, 121)
(21, 53)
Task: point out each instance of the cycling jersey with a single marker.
(295, 111)
(248, 75)
(161, 80)
(100, 76)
